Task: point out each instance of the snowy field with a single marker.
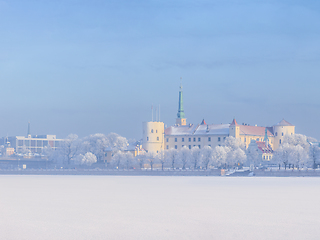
(115, 207)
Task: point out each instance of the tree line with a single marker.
(296, 151)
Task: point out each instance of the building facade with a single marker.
(182, 134)
(33, 143)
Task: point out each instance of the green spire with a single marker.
(266, 139)
(180, 110)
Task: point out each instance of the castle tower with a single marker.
(234, 129)
(280, 130)
(181, 120)
(153, 136)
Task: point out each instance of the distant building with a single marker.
(34, 143)
(182, 134)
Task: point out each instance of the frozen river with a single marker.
(114, 207)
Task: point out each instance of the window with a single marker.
(156, 131)
(167, 146)
(157, 138)
(199, 139)
(219, 139)
(176, 140)
(194, 139)
(167, 139)
(182, 146)
(151, 130)
(280, 141)
(189, 146)
(182, 139)
(245, 139)
(209, 139)
(147, 138)
(175, 147)
(199, 146)
(276, 133)
(189, 139)
(257, 139)
(282, 134)
(224, 138)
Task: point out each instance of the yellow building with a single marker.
(182, 134)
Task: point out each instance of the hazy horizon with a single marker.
(88, 67)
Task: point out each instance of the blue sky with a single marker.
(96, 66)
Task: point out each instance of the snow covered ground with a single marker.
(128, 207)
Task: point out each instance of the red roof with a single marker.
(254, 130)
(283, 123)
(262, 147)
(234, 122)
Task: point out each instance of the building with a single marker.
(153, 136)
(182, 134)
(34, 143)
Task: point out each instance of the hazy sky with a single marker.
(84, 67)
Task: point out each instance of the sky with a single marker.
(85, 67)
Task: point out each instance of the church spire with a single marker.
(266, 139)
(180, 110)
(181, 120)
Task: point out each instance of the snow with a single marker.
(109, 207)
(198, 130)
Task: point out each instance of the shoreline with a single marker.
(215, 172)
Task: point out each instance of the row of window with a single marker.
(152, 131)
(189, 146)
(195, 139)
(267, 157)
(157, 139)
(38, 143)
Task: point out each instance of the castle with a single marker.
(156, 138)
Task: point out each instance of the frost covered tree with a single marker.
(184, 156)
(281, 155)
(219, 156)
(96, 144)
(161, 158)
(206, 156)
(298, 156)
(128, 159)
(117, 159)
(87, 159)
(294, 150)
(141, 159)
(314, 154)
(117, 142)
(234, 143)
(236, 154)
(69, 148)
(172, 155)
(195, 157)
(150, 158)
(252, 152)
